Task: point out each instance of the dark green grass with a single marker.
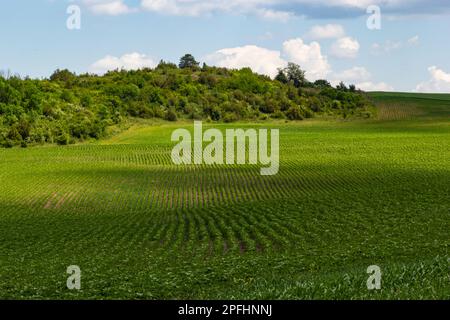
(429, 106)
(348, 195)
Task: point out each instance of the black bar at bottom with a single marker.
(227, 309)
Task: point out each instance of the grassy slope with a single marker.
(348, 195)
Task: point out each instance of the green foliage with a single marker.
(188, 61)
(171, 115)
(294, 74)
(63, 76)
(348, 195)
(294, 113)
(321, 83)
(68, 108)
(281, 77)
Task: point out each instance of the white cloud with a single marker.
(260, 60)
(414, 41)
(130, 61)
(275, 15)
(389, 45)
(439, 81)
(386, 47)
(328, 31)
(353, 75)
(108, 7)
(265, 61)
(308, 56)
(271, 9)
(370, 86)
(346, 47)
(261, 8)
(361, 78)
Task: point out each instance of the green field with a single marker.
(349, 194)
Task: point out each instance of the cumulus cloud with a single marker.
(352, 75)
(361, 78)
(371, 86)
(260, 60)
(308, 56)
(328, 31)
(265, 61)
(345, 47)
(130, 61)
(439, 81)
(108, 7)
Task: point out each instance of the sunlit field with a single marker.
(349, 194)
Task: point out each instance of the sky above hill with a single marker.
(400, 45)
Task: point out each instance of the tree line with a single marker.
(66, 108)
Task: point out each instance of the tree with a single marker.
(341, 86)
(171, 115)
(163, 65)
(281, 76)
(294, 113)
(322, 84)
(295, 74)
(188, 61)
(70, 107)
(63, 75)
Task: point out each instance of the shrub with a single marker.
(8, 143)
(278, 115)
(230, 117)
(171, 115)
(294, 113)
(63, 139)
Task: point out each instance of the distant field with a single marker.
(349, 194)
(404, 106)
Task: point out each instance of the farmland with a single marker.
(349, 194)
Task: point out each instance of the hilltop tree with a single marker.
(321, 83)
(188, 61)
(63, 75)
(294, 75)
(281, 76)
(341, 86)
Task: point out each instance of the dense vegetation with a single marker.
(349, 194)
(67, 108)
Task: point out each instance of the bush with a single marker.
(67, 107)
(8, 143)
(63, 139)
(294, 113)
(278, 115)
(215, 114)
(230, 117)
(171, 115)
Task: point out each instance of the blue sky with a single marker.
(329, 39)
